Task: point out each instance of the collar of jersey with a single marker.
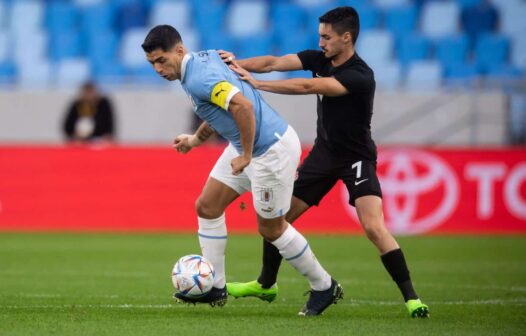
(186, 58)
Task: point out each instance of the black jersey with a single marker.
(344, 122)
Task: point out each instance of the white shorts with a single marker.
(270, 176)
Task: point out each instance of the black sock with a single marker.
(394, 262)
(271, 263)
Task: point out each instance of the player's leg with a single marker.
(313, 182)
(221, 189)
(365, 194)
(272, 178)
(370, 214)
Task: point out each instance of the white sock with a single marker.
(295, 249)
(212, 238)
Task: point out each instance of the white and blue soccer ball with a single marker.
(193, 276)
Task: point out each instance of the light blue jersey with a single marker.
(210, 84)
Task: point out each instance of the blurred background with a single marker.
(451, 91)
(448, 72)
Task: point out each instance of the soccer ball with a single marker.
(193, 276)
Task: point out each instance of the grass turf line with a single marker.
(90, 284)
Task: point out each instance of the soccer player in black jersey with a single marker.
(343, 149)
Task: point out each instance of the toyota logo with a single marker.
(407, 178)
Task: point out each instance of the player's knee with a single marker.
(206, 209)
(272, 229)
(374, 230)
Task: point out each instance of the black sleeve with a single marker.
(105, 123)
(309, 59)
(355, 81)
(70, 121)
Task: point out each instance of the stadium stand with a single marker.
(105, 35)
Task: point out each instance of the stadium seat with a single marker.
(389, 4)
(413, 47)
(254, 46)
(461, 74)
(208, 18)
(388, 76)
(72, 72)
(504, 72)
(174, 13)
(191, 40)
(246, 18)
(131, 52)
(293, 43)
(424, 75)
(5, 47)
(66, 44)
(287, 17)
(370, 17)
(452, 50)
(130, 15)
(31, 11)
(102, 47)
(145, 75)
(375, 47)
(3, 15)
(222, 41)
(7, 73)
(97, 19)
(401, 20)
(61, 16)
(468, 3)
(518, 51)
(440, 18)
(36, 73)
(109, 73)
(512, 20)
(499, 47)
(37, 42)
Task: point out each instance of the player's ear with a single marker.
(179, 49)
(347, 37)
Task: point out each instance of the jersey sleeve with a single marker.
(214, 88)
(355, 81)
(309, 59)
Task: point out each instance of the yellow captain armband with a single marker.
(222, 93)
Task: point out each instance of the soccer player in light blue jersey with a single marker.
(261, 157)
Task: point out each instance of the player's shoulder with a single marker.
(358, 68)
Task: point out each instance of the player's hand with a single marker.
(244, 74)
(185, 142)
(239, 163)
(227, 56)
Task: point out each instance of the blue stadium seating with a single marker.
(286, 18)
(401, 20)
(491, 50)
(98, 19)
(7, 72)
(452, 50)
(108, 34)
(61, 16)
(65, 44)
(254, 46)
(412, 48)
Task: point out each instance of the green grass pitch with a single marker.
(111, 284)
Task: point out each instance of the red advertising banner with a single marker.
(154, 189)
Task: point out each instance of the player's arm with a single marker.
(325, 86)
(243, 114)
(229, 98)
(185, 142)
(263, 64)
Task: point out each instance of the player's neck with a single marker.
(343, 57)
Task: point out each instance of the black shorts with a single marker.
(321, 169)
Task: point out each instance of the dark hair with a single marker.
(343, 19)
(162, 37)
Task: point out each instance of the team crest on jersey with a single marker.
(266, 195)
